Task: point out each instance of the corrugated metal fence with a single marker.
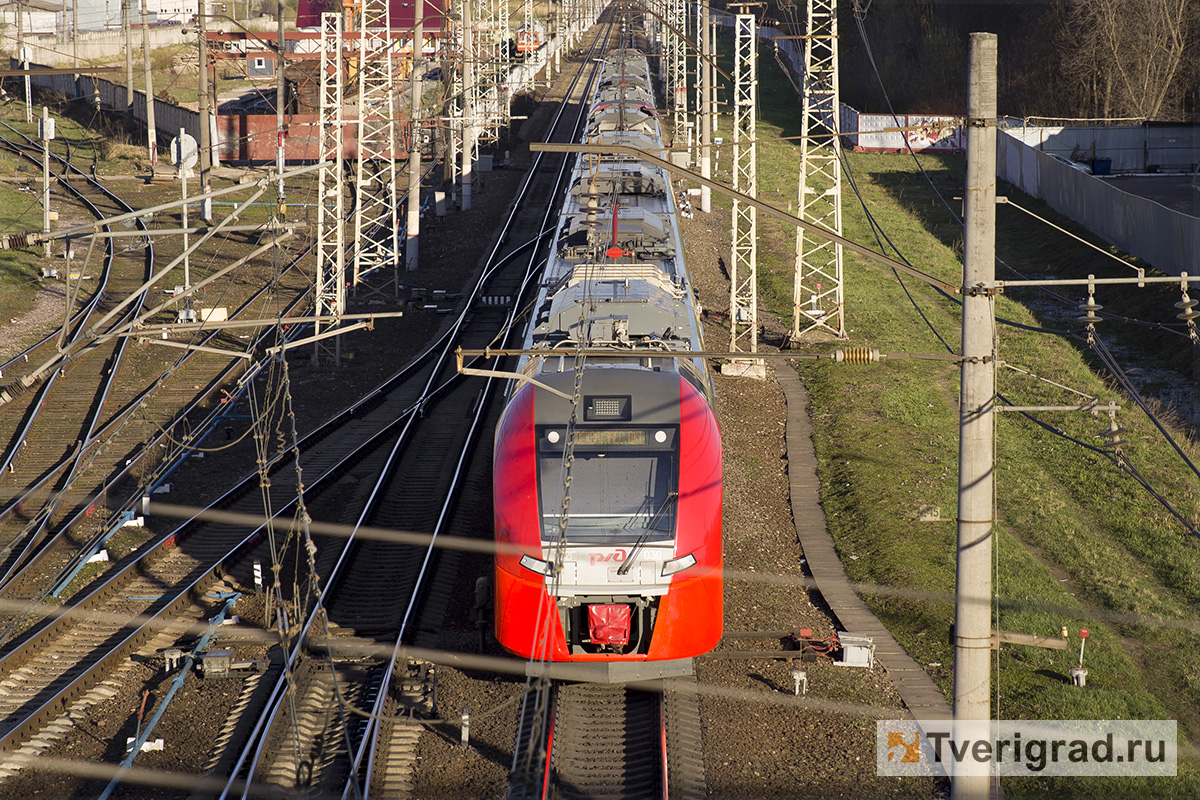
(1148, 147)
(168, 118)
(1167, 239)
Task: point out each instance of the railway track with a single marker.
(61, 665)
(596, 741)
(292, 728)
(382, 595)
(590, 740)
(157, 596)
(92, 409)
(59, 411)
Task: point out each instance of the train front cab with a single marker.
(647, 587)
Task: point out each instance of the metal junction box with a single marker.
(857, 651)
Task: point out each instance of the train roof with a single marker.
(621, 177)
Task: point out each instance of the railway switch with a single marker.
(219, 663)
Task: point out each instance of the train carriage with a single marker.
(607, 468)
(530, 38)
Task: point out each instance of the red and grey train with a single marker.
(607, 467)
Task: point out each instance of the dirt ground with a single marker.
(757, 741)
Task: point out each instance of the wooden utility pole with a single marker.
(973, 591)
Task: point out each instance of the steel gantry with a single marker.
(331, 204)
(376, 228)
(743, 298)
(817, 297)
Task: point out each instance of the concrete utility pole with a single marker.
(127, 23)
(75, 37)
(24, 58)
(706, 107)
(469, 129)
(151, 134)
(46, 133)
(712, 72)
(205, 143)
(973, 593)
(412, 242)
(280, 99)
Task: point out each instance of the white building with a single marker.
(98, 15)
(39, 18)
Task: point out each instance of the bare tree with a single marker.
(1130, 54)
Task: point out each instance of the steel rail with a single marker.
(84, 310)
(32, 534)
(370, 738)
(53, 586)
(73, 323)
(257, 743)
(60, 621)
(141, 398)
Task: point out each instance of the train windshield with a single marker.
(624, 483)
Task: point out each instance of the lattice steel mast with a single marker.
(331, 205)
(743, 297)
(817, 297)
(492, 64)
(376, 221)
(677, 65)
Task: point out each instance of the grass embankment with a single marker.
(115, 154)
(1078, 542)
(21, 196)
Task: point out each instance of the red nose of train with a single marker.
(599, 596)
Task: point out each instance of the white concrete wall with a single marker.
(36, 23)
(100, 44)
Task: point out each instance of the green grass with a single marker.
(1078, 542)
(21, 209)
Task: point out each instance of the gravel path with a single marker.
(17, 333)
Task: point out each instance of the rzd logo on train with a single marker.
(616, 556)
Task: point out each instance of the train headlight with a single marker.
(673, 566)
(543, 567)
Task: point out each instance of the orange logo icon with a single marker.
(912, 750)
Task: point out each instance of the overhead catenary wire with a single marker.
(1102, 352)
